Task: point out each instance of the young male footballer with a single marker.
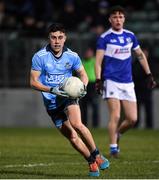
(50, 67)
(114, 75)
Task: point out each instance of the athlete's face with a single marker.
(117, 20)
(57, 40)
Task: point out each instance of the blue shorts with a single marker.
(58, 115)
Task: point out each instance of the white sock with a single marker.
(113, 145)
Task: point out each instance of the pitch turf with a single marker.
(45, 154)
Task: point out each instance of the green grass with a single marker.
(45, 154)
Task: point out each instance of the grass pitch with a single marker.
(45, 154)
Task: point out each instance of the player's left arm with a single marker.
(144, 63)
(82, 75)
(143, 60)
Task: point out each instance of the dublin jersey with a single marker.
(54, 70)
(117, 62)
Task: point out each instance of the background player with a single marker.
(114, 75)
(50, 67)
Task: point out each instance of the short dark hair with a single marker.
(115, 9)
(56, 27)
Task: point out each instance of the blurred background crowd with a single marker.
(76, 15)
(23, 25)
(84, 21)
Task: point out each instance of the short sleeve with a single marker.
(101, 43)
(36, 63)
(135, 42)
(77, 63)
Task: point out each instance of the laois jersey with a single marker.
(117, 62)
(54, 70)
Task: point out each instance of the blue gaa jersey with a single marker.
(117, 62)
(54, 70)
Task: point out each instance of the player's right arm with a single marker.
(98, 70)
(35, 83)
(98, 64)
(35, 73)
(36, 70)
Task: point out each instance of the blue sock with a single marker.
(90, 159)
(113, 148)
(95, 153)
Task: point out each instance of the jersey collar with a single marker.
(48, 48)
(116, 32)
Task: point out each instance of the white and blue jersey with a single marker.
(54, 70)
(117, 62)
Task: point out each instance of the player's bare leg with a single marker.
(130, 111)
(74, 139)
(86, 136)
(68, 131)
(114, 113)
(80, 127)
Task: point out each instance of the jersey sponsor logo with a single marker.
(55, 78)
(121, 51)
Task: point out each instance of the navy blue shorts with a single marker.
(58, 115)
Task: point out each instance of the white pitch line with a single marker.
(39, 164)
(69, 163)
(28, 165)
(144, 162)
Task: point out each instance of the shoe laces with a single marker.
(93, 167)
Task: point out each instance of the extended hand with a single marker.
(99, 86)
(151, 83)
(56, 90)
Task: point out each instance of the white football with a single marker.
(73, 86)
